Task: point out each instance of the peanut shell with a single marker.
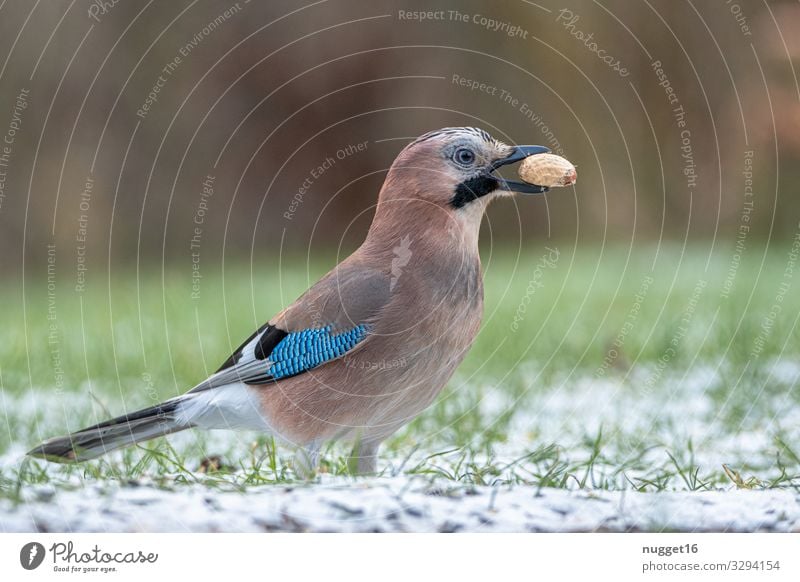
(548, 170)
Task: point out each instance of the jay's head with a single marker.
(455, 169)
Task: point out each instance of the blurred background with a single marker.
(145, 100)
(172, 169)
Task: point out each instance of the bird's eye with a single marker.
(464, 156)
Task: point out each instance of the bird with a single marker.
(370, 345)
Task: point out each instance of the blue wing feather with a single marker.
(303, 350)
(295, 352)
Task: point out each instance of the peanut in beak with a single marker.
(548, 170)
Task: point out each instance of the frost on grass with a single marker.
(694, 452)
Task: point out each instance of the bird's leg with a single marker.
(368, 460)
(306, 460)
(364, 458)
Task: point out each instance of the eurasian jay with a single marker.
(371, 344)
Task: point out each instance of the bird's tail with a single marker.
(113, 434)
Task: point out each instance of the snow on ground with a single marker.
(685, 415)
(398, 504)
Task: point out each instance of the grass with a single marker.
(596, 368)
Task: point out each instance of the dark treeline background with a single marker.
(265, 92)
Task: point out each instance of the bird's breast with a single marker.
(439, 315)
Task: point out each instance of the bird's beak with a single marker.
(519, 154)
